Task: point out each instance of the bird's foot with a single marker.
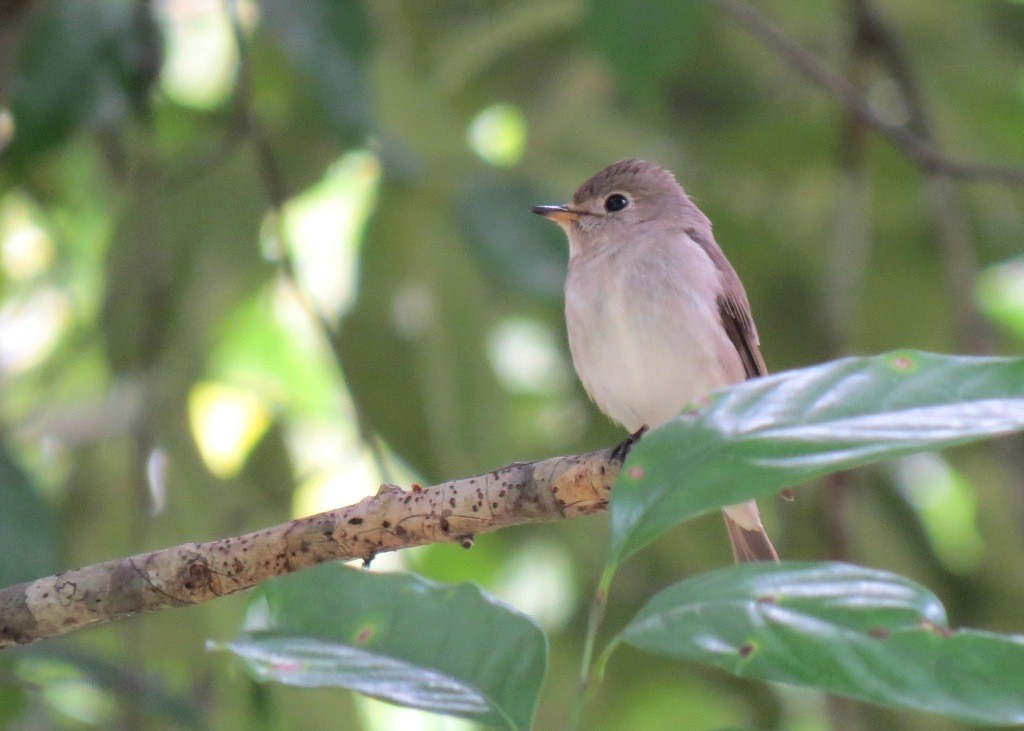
(621, 451)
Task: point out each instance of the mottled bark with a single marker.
(553, 489)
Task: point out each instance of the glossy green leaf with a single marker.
(444, 648)
(844, 629)
(770, 433)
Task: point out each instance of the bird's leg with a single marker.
(621, 451)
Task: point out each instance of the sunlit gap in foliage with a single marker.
(201, 57)
(1000, 292)
(498, 134)
(380, 716)
(528, 361)
(324, 225)
(26, 247)
(526, 357)
(947, 507)
(538, 579)
(272, 358)
(226, 422)
(33, 312)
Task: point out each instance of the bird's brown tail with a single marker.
(749, 545)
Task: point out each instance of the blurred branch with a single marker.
(943, 199)
(452, 512)
(276, 188)
(13, 14)
(918, 149)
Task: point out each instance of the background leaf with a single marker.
(770, 433)
(844, 629)
(329, 42)
(520, 254)
(84, 64)
(26, 529)
(644, 44)
(447, 649)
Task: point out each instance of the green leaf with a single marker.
(444, 648)
(770, 433)
(644, 44)
(81, 64)
(330, 42)
(27, 542)
(844, 629)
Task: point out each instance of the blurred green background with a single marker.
(182, 358)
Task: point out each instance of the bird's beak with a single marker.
(558, 214)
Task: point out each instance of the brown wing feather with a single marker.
(734, 308)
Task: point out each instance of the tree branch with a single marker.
(554, 489)
(923, 153)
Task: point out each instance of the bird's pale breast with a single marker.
(645, 340)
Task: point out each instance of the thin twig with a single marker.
(942, 197)
(923, 153)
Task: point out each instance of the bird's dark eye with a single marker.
(615, 202)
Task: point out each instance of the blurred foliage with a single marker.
(140, 263)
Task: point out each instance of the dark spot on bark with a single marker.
(355, 521)
(385, 523)
(400, 531)
(445, 526)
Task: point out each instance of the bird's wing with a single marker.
(734, 308)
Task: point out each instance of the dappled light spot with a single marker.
(540, 580)
(30, 327)
(226, 423)
(201, 56)
(324, 226)
(26, 246)
(1000, 294)
(498, 134)
(947, 507)
(526, 358)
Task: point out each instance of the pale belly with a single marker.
(645, 353)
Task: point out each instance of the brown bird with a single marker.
(657, 317)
